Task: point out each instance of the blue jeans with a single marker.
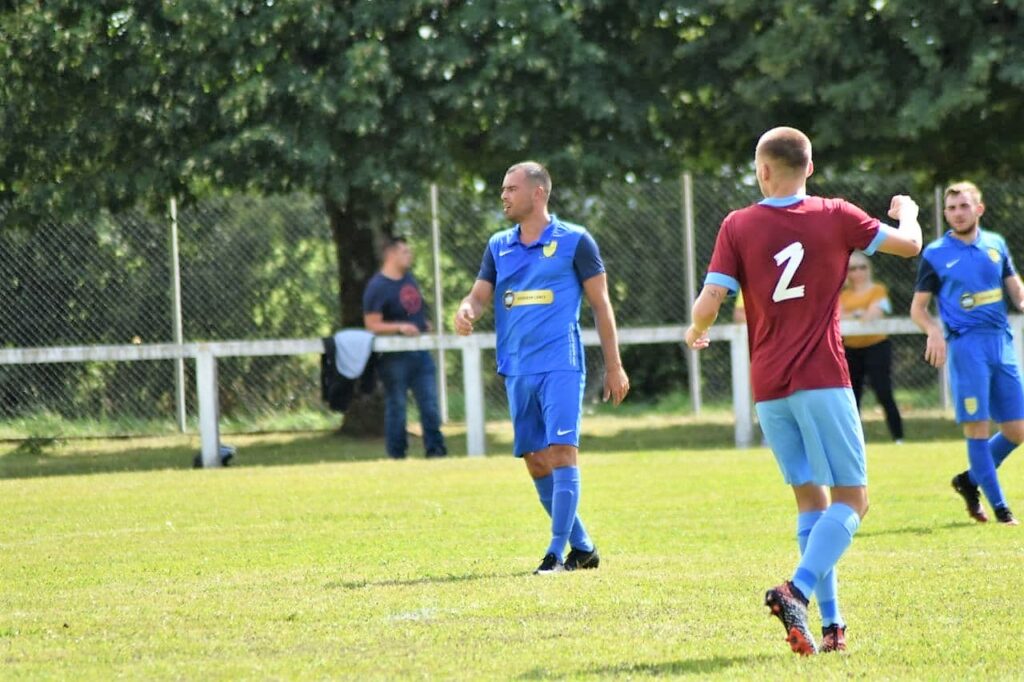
(400, 372)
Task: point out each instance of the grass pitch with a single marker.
(312, 560)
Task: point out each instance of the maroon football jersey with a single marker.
(790, 263)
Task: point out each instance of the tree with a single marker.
(930, 86)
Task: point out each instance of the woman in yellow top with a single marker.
(869, 355)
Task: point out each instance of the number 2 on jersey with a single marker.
(792, 256)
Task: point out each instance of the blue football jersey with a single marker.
(538, 289)
(967, 281)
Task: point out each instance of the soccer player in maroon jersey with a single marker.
(788, 254)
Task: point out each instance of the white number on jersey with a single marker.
(792, 256)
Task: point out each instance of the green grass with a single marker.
(316, 559)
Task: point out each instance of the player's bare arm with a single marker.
(935, 345)
(704, 314)
(906, 240)
(472, 307)
(1015, 289)
(616, 383)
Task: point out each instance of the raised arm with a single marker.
(616, 383)
(906, 240)
(472, 307)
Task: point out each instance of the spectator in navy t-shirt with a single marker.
(392, 304)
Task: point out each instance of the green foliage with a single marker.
(267, 570)
(931, 86)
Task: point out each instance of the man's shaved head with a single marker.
(787, 149)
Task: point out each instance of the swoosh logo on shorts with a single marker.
(562, 432)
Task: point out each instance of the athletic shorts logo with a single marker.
(511, 299)
(549, 249)
(994, 256)
(562, 432)
(971, 405)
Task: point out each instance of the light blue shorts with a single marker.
(546, 409)
(984, 378)
(816, 436)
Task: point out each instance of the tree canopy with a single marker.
(107, 103)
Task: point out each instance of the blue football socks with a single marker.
(827, 589)
(983, 470)
(578, 537)
(1000, 447)
(828, 539)
(565, 499)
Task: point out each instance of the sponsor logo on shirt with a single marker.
(511, 299)
(505, 252)
(972, 300)
(952, 263)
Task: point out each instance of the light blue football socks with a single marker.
(827, 589)
(983, 470)
(1000, 448)
(578, 536)
(830, 536)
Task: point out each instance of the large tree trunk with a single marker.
(357, 225)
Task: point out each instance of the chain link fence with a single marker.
(259, 268)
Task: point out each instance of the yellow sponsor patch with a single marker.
(549, 249)
(994, 255)
(512, 299)
(973, 300)
(971, 405)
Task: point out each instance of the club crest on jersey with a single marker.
(549, 249)
(971, 405)
(993, 255)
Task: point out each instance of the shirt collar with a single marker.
(545, 236)
(976, 242)
(782, 202)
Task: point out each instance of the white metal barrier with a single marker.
(206, 354)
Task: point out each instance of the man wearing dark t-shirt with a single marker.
(392, 304)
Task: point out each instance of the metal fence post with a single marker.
(473, 392)
(442, 374)
(176, 323)
(209, 407)
(690, 265)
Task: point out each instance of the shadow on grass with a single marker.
(54, 457)
(697, 666)
(916, 530)
(412, 582)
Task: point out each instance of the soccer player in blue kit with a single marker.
(541, 269)
(970, 272)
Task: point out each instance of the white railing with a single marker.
(206, 354)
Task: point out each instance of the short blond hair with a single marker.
(963, 187)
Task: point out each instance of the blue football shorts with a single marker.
(816, 437)
(985, 378)
(546, 409)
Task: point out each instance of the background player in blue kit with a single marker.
(541, 268)
(970, 272)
